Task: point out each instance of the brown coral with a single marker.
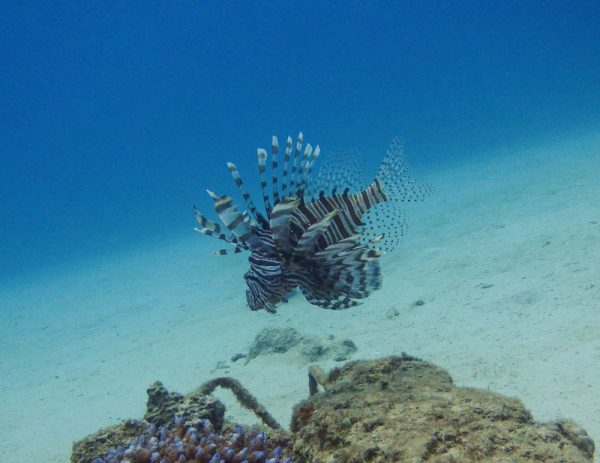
(401, 409)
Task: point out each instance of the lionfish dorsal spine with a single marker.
(295, 163)
(302, 171)
(274, 168)
(247, 199)
(312, 160)
(286, 160)
(262, 159)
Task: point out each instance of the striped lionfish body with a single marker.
(312, 234)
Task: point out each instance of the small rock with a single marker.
(343, 350)
(313, 349)
(392, 312)
(274, 341)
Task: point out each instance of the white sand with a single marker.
(505, 256)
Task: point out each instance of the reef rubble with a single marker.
(307, 347)
(394, 409)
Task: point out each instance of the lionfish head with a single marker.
(255, 295)
(265, 278)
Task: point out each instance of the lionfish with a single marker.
(323, 234)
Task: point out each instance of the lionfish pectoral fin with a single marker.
(244, 230)
(327, 299)
(343, 272)
(222, 252)
(210, 228)
(204, 222)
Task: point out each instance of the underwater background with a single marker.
(116, 116)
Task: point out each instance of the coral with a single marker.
(187, 429)
(196, 444)
(163, 405)
(102, 441)
(402, 409)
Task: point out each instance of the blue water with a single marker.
(115, 116)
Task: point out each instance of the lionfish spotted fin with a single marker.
(323, 233)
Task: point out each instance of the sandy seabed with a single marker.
(504, 256)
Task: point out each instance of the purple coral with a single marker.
(199, 444)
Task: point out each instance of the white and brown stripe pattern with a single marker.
(247, 199)
(262, 159)
(274, 169)
(295, 164)
(286, 160)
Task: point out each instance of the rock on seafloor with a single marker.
(308, 348)
(402, 409)
(394, 410)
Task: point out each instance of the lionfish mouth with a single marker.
(323, 233)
